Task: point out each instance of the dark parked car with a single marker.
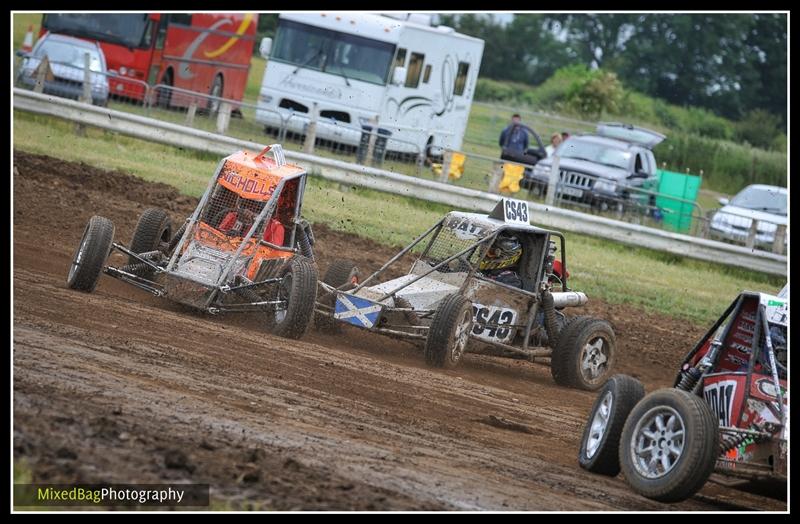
(66, 56)
(603, 169)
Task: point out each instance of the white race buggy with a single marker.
(450, 307)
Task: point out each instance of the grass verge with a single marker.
(668, 284)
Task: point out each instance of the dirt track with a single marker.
(118, 386)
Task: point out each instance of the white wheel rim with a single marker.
(599, 425)
(594, 358)
(657, 442)
(462, 334)
(78, 256)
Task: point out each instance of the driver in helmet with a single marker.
(238, 222)
(501, 262)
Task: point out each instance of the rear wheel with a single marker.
(599, 452)
(449, 332)
(87, 264)
(584, 355)
(153, 233)
(299, 290)
(669, 445)
(339, 273)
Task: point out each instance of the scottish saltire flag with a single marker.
(357, 311)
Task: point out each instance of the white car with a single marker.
(765, 204)
(66, 56)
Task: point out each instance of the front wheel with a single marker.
(584, 355)
(153, 233)
(449, 332)
(669, 445)
(298, 290)
(599, 452)
(87, 264)
(339, 273)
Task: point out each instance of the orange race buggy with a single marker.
(245, 248)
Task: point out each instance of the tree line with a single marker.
(731, 64)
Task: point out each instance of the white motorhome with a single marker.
(415, 79)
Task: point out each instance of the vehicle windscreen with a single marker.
(68, 53)
(761, 199)
(594, 152)
(350, 56)
(123, 29)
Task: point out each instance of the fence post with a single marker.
(311, 131)
(41, 74)
(553, 181)
(190, 113)
(372, 137)
(446, 159)
(751, 235)
(86, 96)
(495, 176)
(780, 235)
(223, 117)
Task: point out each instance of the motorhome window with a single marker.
(400, 59)
(461, 78)
(123, 29)
(427, 74)
(414, 69)
(334, 52)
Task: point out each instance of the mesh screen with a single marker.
(448, 243)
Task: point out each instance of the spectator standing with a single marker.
(514, 138)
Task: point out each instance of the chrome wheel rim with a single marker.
(594, 358)
(76, 261)
(658, 441)
(599, 424)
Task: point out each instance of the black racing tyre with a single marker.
(449, 332)
(599, 451)
(339, 273)
(567, 322)
(299, 289)
(92, 252)
(153, 233)
(584, 354)
(669, 445)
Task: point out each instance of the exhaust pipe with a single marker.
(569, 299)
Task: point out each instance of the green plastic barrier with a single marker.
(677, 214)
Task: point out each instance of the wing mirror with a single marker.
(265, 47)
(399, 76)
(723, 201)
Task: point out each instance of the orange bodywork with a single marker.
(215, 238)
(254, 177)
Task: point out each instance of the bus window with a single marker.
(461, 78)
(414, 69)
(168, 20)
(427, 74)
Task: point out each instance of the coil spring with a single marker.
(689, 379)
(305, 244)
(729, 441)
(136, 269)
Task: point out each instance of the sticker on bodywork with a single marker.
(357, 311)
(499, 319)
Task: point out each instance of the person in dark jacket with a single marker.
(514, 137)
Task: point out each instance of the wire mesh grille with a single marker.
(232, 214)
(447, 243)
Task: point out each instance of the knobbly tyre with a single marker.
(450, 303)
(726, 413)
(244, 249)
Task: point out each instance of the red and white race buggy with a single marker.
(728, 411)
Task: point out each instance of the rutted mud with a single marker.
(118, 386)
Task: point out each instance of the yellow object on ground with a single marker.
(512, 174)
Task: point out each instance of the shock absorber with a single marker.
(305, 239)
(690, 377)
(550, 321)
